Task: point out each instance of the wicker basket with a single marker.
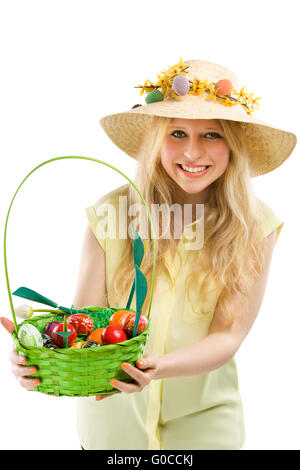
(80, 372)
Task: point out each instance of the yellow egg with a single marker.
(77, 345)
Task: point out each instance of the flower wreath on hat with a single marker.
(174, 83)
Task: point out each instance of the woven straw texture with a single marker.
(268, 147)
(81, 372)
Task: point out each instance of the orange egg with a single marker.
(223, 87)
(118, 318)
(96, 335)
(78, 344)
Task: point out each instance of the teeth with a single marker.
(198, 169)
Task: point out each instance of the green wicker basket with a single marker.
(80, 372)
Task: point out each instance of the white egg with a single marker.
(29, 335)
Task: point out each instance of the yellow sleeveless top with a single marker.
(198, 412)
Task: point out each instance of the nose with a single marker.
(194, 150)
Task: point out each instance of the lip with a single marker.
(191, 165)
(193, 175)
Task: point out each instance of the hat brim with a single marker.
(268, 146)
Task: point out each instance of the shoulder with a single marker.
(265, 210)
(112, 197)
(271, 223)
(103, 215)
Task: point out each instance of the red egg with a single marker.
(82, 322)
(58, 339)
(129, 324)
(113, 335)
(223, 87)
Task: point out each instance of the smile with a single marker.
(193, 172)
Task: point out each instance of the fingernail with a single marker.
(23, 360)
(125, 366)
(140, 363)
(99, 398)
(113, 382)
(32, 370)
(36, 382)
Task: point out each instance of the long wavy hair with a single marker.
(231, 252)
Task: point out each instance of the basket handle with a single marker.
(93, 160)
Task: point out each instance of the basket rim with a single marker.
(128, 342)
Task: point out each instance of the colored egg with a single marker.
(96, 335)
(51, 346)
(59, 338)
(82, 322)
(180, 85)
(113, 335)
(154, 96)
(78, 344)
(50, 327)
(118, 318)
(223, 87)
(129, 324)
(46, 339)
(90, 344)
(29, 335)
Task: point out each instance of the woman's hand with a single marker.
(18, 362)
(147, 370)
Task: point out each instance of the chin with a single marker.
(194, 187)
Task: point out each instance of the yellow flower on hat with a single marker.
(242, 91)
(197, 87)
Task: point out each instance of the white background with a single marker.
(64, 65)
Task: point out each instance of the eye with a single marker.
(214, 135)
(210, 135)
(174, 132)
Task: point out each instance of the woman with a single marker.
(193, 152)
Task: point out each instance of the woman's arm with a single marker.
(221, 343)
(91, 285)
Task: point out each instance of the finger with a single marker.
(28, 383)
(124, 387)
(148, 361)
(141, 363)
(7, 324)
(22, 371)
(100, 397)
(17, 358)
(136, 374)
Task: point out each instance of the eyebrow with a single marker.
(205, 128)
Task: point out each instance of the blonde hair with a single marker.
(230, 253)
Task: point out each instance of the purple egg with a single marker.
(49, 328)
(180, 85)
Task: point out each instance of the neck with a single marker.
(181, 197)
(192, 213)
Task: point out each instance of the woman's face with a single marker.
(194, 143)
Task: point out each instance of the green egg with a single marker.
(154, 96)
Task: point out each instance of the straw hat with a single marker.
(268, 146)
